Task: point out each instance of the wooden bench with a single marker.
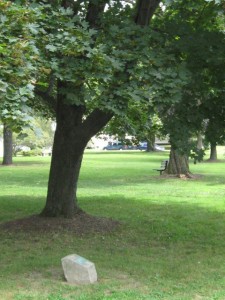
(163, 166)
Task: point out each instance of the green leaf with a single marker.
(51, 48)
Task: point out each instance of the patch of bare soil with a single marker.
(213, 161)
(182, 176)
(81, 224)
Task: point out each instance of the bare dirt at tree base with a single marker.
(81, 224)
(182, 176)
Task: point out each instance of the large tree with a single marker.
(95, 58)
(198, 40)
(17, 69)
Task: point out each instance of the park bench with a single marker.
(163, 166)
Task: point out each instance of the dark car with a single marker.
(143, 146)
(119, 146)
(114, 146)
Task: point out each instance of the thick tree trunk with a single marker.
(66, 161)
(7, 146)
(178, 164)
(145, 11)
(71, 136)
(213, 152)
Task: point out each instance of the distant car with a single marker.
(114, 146)
(144, 146)
(159, 148)
(120, 146)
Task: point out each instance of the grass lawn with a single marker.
(170, 245)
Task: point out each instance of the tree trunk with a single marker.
(71, 136)
(213, 152)
(178, 164)
(151, 143)
(66, 161)
(7, 146)
(199, 141)
(145, 11)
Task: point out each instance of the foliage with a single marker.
(109, 66)
(17, 66)
(200, 43)
(35, 152)
(38, 135)
(140, 123)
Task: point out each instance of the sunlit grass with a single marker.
(170, 244)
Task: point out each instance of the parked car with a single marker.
(143, 146)
(159, 148)
(114, 146)
(119, 146)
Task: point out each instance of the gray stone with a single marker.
(78, 270)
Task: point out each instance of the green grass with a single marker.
(171, 244)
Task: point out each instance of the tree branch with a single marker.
(46, 99)
(96, 120)
(145, 11)
(95, 9)
(74, 5)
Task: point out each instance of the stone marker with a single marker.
(78, 270)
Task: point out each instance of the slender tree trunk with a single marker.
(7, 146)
(151, 143)
(213, 152)
(178, 164)
(199, 141)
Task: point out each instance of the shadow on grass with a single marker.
(15, 207)
(175, 221)
(157, 245)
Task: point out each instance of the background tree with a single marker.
(199, 43)
(140, 123)
(17, 69)
(38, 135)
(7, 146)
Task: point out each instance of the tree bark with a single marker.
(145, 11)
(71, 136)
(178, 164)
(151, 143)
(213, 152)
(7, 146)
(199, 141)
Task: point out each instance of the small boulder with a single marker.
(78, 270)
